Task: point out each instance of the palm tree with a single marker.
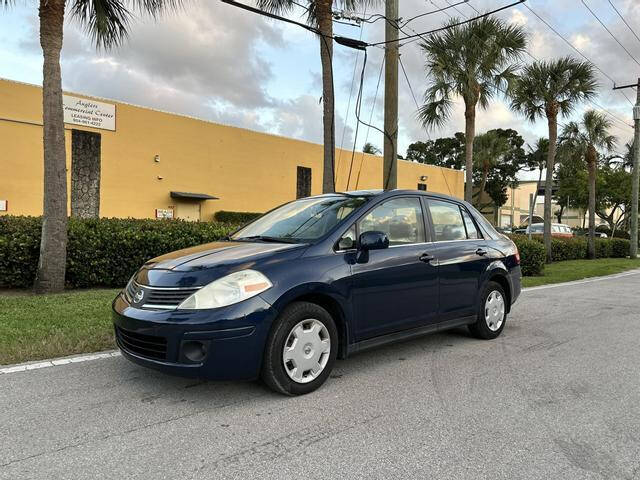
(472, 61)
(536, 158)
(107, 23)
(320, 16)
(371, 149)
(489, 149)
(548, 89)
(587, 137)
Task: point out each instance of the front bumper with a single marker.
(234, 337)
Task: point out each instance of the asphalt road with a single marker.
(557, 396)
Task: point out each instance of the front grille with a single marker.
(160, 298)
(167, 298)
(144, 345)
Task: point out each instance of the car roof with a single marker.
(391, 193)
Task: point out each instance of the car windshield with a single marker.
(303, 220)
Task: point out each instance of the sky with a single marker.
(223, 64)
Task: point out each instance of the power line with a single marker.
(373, 106)
(579, 53)
(625, 22)
(610, 33)
(346, 116)
(438, 10)
(454, 7)
(446, 27)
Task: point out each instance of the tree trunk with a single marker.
(552, 120)
(53, 243)
(325, 24)
(591, 165)
(535, 195)
(483, 184)
(470, 133)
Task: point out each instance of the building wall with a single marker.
(247, 170)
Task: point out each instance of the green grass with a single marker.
(34, 327)
(579, 269)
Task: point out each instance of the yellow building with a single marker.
(515, 211)
(145, 163)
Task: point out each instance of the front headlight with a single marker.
(228, 290)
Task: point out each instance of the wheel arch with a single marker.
(331, 302)
(499, 275)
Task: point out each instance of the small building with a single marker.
(130, 161)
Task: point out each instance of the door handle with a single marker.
(426, 258)
(481, 251)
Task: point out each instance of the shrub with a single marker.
(239, 218)
(603, 247)
(532, 255)
(101, 252)
(568, 249)
(619, 247)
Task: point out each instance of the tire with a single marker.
(296, 329)
(489, 324)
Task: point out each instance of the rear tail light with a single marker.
(517, 256)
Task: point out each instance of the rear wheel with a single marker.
(492, 312)
(301, 349)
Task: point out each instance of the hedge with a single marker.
(239, 218)
(532, 255)
(101, 252)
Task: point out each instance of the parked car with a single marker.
(317, 279)
(557, 230)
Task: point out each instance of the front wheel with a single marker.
(301, 349)
(492, 312)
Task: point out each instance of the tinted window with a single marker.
(401, 219)
(447, 221)
(472, 231)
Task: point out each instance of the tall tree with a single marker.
(444, 152)
(107, 23)
(472, 61)
(498, 157)
(320, 16)
(548, 89)
(587, 137)
(536, 159)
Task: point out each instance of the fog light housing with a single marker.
(194, 351)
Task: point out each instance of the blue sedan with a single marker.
(318, 279)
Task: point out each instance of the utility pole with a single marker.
(635, 171)
(390, 152)
(635, 175)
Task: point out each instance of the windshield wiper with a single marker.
(265, 238)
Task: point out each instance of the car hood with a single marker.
(204, 263)
(215, 254)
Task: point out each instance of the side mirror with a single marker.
(373, 240)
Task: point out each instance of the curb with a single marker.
(54, 362)
(583, 281)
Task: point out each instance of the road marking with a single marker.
(581, 282)
(54, 362)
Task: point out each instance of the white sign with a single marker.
(90, 113)
(3, 205)
(164, 213)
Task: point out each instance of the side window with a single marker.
(447, 221)
(348, 240)
(401, 219)
(472, 231)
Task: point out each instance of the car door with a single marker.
(395, 288)
(462, 256)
